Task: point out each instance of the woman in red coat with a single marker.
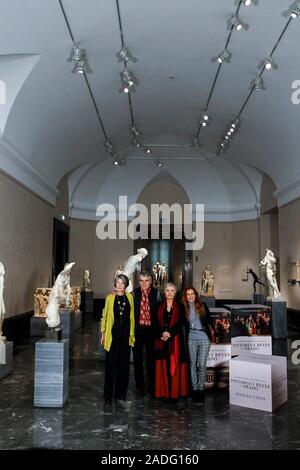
(171, 376)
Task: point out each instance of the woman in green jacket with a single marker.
(117, 337)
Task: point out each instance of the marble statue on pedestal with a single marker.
(132, 264)
(87, 284)
(207, 281)
(269, 262)
(60, 293)
(2, 306)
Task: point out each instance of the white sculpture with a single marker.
(269, 262)
(60, 293)
(87, 284)
(2, 306)
(207, 281)
(132, 264)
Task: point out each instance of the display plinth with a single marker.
(279, 318)
(258, 381)
(51, 377)
(67, 324)
(6, 369)
(210, 301)
(259, 299)
(87, 301)
(77, 320)
(38, 326)
(245, 307)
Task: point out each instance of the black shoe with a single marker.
(201, 396)
(195, 395)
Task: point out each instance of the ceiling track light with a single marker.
(124, 55)
(109, 146)
(148, 151)
(247, 3)
(77, 54)
(295, 13)
(196, 142)
(135, 131)
(258, 84)
(225, 56)
(128, 82)
(136, 143)
(119, 161)
(158, 163)
(236, 23)
(268, 63)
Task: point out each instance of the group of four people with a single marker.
(176, 336)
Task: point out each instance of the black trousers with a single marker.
(117, 368)
(144, 338)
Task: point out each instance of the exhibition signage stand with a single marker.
(258, 381)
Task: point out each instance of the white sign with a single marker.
(219, 355)
(258, 381)
(251, 344)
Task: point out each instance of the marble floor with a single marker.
(86, 423)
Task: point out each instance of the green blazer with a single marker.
(107, 320)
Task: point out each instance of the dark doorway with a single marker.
(60, 247)
(170, 251)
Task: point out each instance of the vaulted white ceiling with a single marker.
(49, 125)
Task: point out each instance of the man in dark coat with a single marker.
(146, 300)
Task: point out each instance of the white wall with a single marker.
(25, 244)
(289, 239)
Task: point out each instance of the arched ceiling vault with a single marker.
(49, 125)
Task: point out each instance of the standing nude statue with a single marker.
(269, 262)
(60, 293)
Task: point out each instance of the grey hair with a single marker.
(170, 284)
(145, 274)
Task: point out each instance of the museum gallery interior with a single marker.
(149, 142)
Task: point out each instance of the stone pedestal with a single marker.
(279, 318)
(87, 302)
(77, 320)
(258, 381)
(38, 326)
(67, 324)
(259, 299)
(51, 377)
(209, 301)
(7, 354)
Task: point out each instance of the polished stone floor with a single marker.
(86, 423)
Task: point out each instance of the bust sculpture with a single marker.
(60, 293)
(132, 264)
(269, 262)
(87, 284)
(2, 306)
(207, 281)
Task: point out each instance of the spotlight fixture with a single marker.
(124, 55)
(247, 3)
(158, 163)
(136, 143)
(236, 23)
(258, 84)
(135, 131)
(268, 63)
(119, 161)
(196, 142)
(236, 123)
(78, 58)
(225, 56)
(295, 12)
(148, 151)
(109, 146)
(128, 82)
(205, 116)
(204, 124)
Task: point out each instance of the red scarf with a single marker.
(145, 316)
(174, 343)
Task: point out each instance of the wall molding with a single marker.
(16, 167)
(288, 192)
